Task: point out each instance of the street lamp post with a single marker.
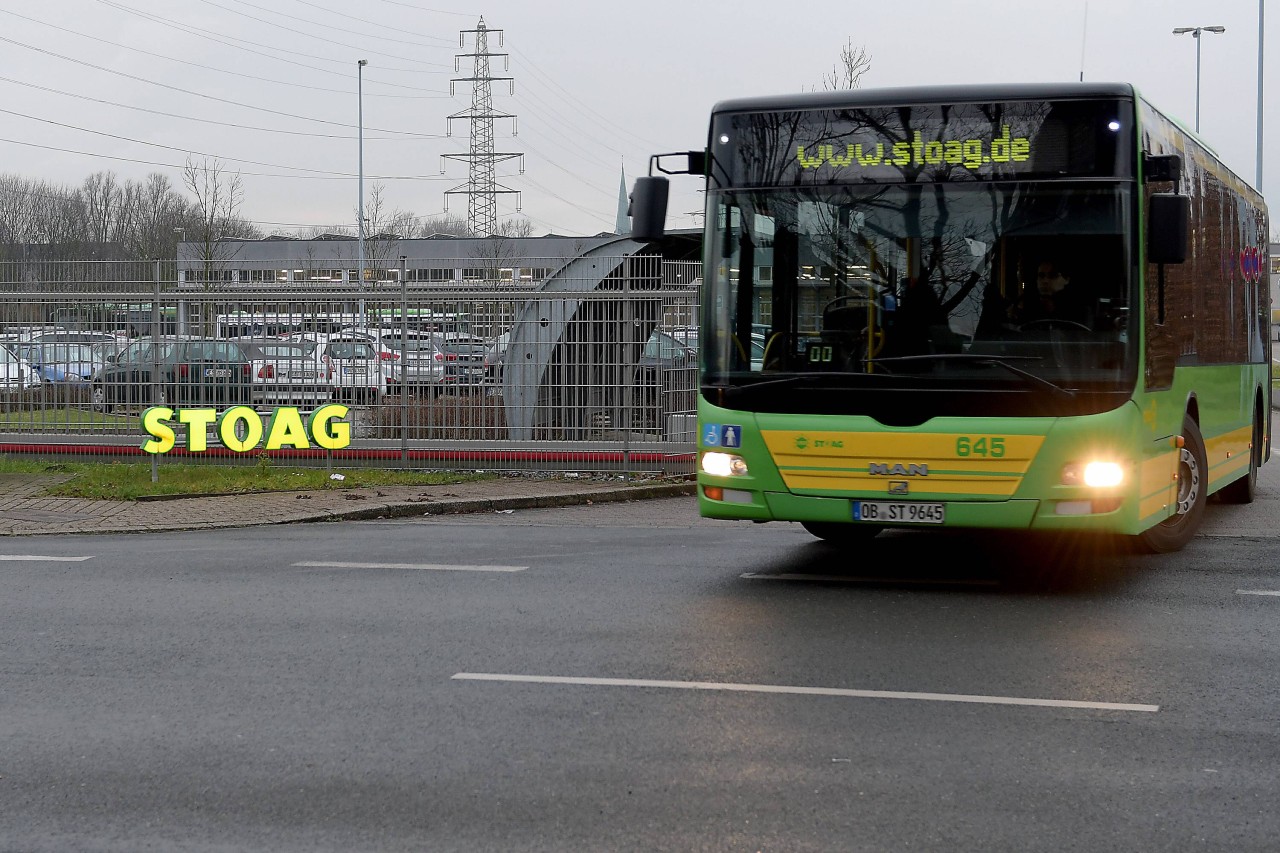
(360, 208)
(1195, 34)
(1261, 40)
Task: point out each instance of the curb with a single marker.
(461, 506)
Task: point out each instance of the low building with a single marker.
(331, 260)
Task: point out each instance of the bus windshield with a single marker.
(1021, 285)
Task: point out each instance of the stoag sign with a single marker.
(241, 429)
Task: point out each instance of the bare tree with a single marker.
(514, 228)
(19, 213)
(102, 199)
(847, 72)
(447, 225)
(383, 230)
(154, 214)
(214, 214)
(498, 252)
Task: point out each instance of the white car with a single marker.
(417, 362)
(285, 373)
(16, 375)
(355, 368)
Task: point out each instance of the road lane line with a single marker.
(758, 576)
(1258, 592)
(421, 567)
(42, 558)
(808, 691)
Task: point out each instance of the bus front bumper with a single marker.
(996, 515)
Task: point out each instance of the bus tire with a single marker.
(1242, 491)
(837, 532)
(1177, 530)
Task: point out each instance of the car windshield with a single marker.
(410, 344)
(220, 351)
(62, 353)
(282, 351)
(271, 350)
(351, 349)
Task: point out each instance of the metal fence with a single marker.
(587, 365)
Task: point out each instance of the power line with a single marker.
(648, 143)
(272, 50)
(181, 166)
(254, 77)
(571, 204)
(320, 38)
(214, 121)
(433, 11)
(445, 43)
(189, 92)
(171, 147)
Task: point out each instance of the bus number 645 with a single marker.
(992, 446)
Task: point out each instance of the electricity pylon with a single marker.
(481, 188)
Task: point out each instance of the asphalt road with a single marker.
(630, 677)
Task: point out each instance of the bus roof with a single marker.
(857, 98)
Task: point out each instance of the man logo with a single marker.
(899, 487)
(897, 469)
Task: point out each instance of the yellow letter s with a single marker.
(155, 422)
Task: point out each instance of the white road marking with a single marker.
(1258, 592)
(421, 567)
(808, 691)
(27, 558)
(758, 576)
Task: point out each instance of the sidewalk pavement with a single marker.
(23, 512)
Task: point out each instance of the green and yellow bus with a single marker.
(1011, 307)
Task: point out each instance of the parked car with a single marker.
(69, 336)
(125, 381)
(65, 364)
(205, 371)
(16, 374)
(188, 371)
(417, 362)
(287, 373)
(354, 368)
(495, 357)
(463, 358)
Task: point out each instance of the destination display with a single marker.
(913, 144)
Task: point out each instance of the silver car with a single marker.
(285, 373)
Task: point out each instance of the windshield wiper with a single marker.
(987, 360)
(824, 378)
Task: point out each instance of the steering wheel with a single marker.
(1054, 322)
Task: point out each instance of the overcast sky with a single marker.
(269, 86)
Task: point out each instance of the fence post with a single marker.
(404, 355)
(155, 359)
(629, 332)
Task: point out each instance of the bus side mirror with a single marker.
(1168, 225)
(648, 210)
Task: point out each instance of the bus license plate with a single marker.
(888, 512)
(217, 372)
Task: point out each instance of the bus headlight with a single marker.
(1098, 474)
(723, 464)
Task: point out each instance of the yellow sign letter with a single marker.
(155, 422)
(328, 429)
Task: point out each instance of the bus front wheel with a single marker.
(1176, 531)
(838, 533)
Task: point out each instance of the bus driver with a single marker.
(1053, 298)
